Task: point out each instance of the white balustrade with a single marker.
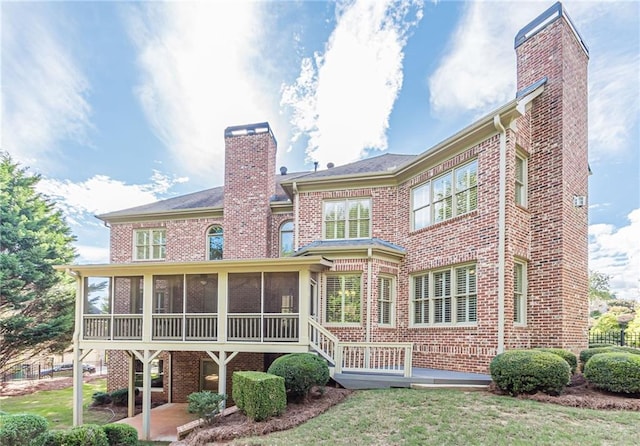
(127, 326)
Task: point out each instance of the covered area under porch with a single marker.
(220, 309)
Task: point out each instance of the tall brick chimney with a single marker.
(249, 184)
(551, 47)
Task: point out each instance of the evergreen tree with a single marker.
(36, 301)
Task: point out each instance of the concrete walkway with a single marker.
(164, 421)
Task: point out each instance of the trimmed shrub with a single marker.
(259, 395)
(530, 371)
(121, 434)
(205, 404)
(614, 371)
(585, 355)
(101, 398)
(571, 359)
(86, 435)
(120, 397)
(301, 371)
(22, 429)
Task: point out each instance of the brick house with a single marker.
(438, 260)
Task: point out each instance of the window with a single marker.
(446, 296)
(286, 239)
(451, 194)
(466, 297)
(150, 244)
(215, 241)
(347, 219)
(343, 299)
(521, 180)
(385, 301)
(519, 293)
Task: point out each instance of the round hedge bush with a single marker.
(530, 371)
(571, 359)
(585, 355)
(617, 372)
(301, 371)
(119, 434)
(21, 429)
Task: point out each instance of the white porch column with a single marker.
(223, 311)
(131, 373)
(147, 308)
(77, 386)
(77, 353)
(304, 306)
(222, 374)
(146, 396)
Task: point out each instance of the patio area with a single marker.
(165, 420)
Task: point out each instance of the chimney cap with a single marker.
(249, 129)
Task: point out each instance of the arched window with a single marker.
(215, 241)
(286, 239)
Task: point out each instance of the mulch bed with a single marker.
(580, 394)
(238, 425)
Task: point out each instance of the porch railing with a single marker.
(366, 357)
(263, 327)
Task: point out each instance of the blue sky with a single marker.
(118, 104)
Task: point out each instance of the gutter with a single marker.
(501, 228)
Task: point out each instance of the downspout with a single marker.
(296, 208)
(369, 293)
(501, 228)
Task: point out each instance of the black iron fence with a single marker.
(47, 369)
(617, 337)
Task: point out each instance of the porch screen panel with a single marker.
(128, 295)
(281, 292)
(168, 294)
(245, 292)
(202, 293)
(97, 295)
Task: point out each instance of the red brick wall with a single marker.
(186, 239)
(249, 185)
(558, 170)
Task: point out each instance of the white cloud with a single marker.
(92, 254)
(342, 98)
(616, 252)
(478, 70)
(199, 73)
(44, 91)
(477, 73)
(101, 194)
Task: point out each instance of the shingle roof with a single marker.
(387, 162)
(214, 198)
(329, 245)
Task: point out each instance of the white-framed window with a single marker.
(466, 296)
(150, 244)
(286, 239)
(519, 292)
(347, 219)
(445, 296)
(386, 301)
(451, 194)
(215, 242)
(521, 180)
(343, 299)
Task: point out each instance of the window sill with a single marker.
(341, 325)
(445, 326)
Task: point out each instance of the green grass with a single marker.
(452, 417)
(57, 405)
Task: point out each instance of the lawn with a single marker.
(452, 417)
(57, 405)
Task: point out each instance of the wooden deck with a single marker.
(444, 378)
